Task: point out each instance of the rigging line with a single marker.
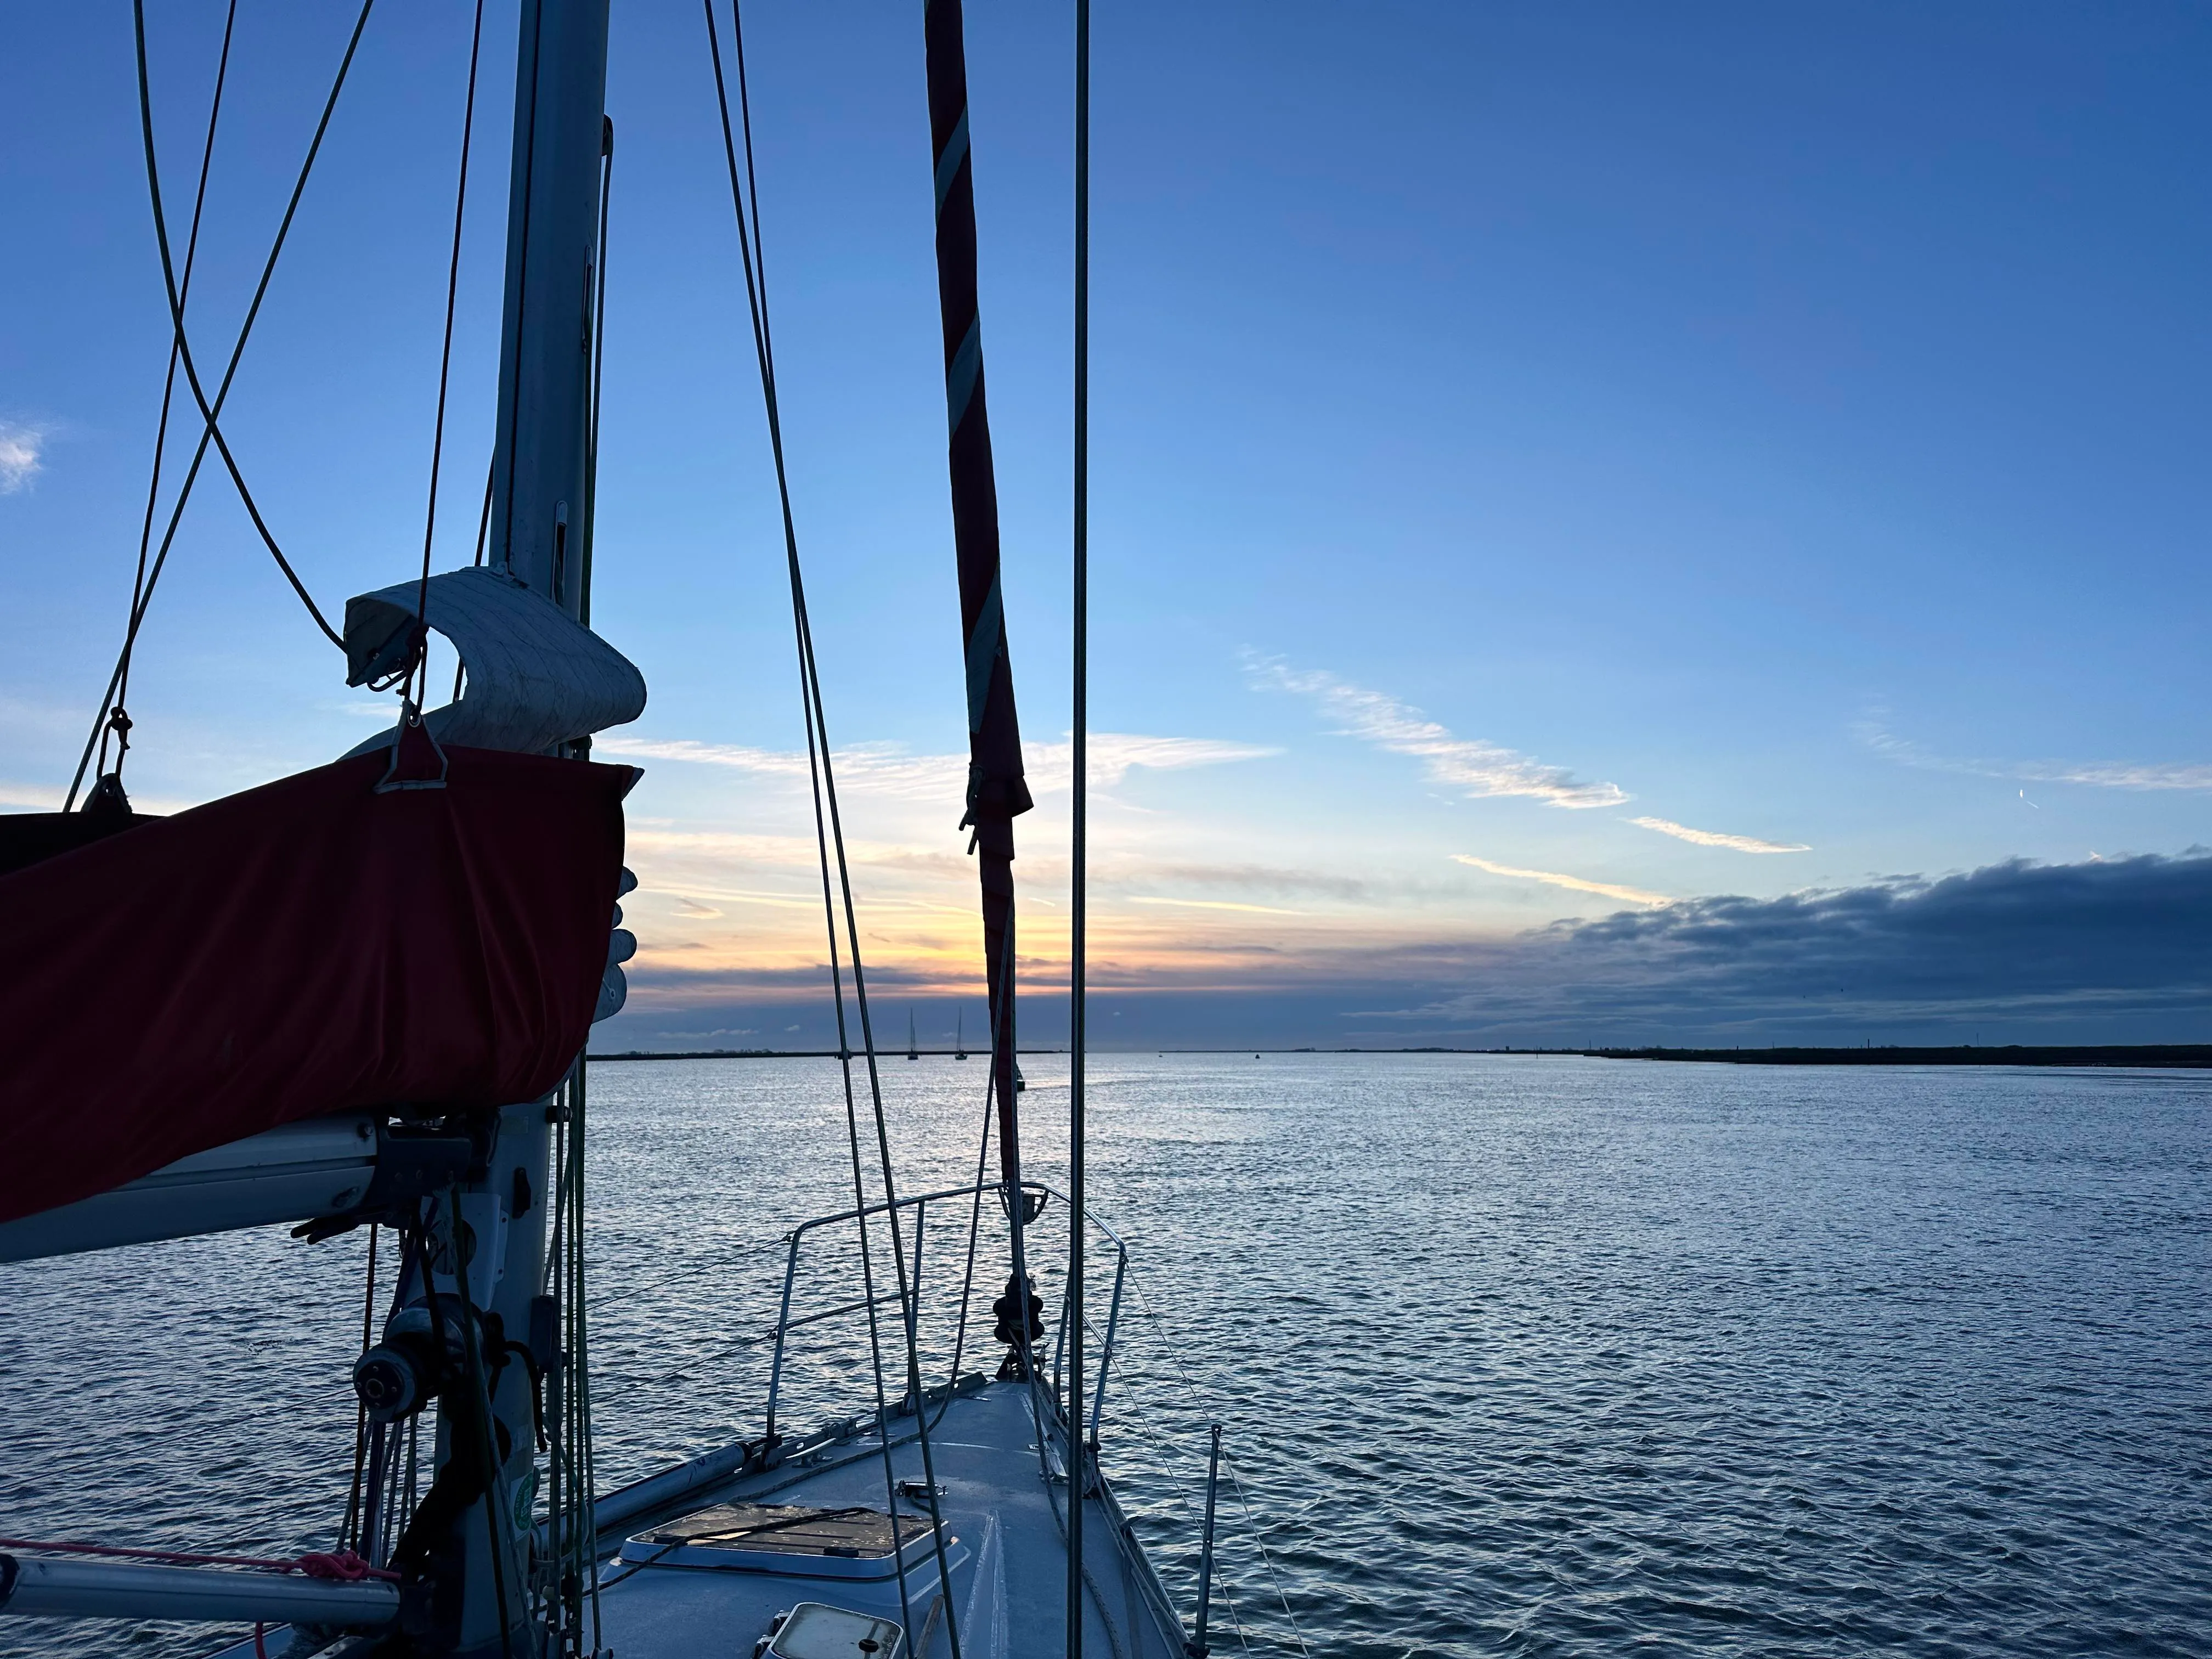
(975, 1206)
(184, 343)
(825, 789)
(483, 530)
(1149, 1428)
(169, 383)
(222, 392)
(1244, 1497)
(486, 1426)
(853, 1128)
(808, 709)
(1078, 1455)
(908, 1298)
(585, 1475)
(1089, 1583)
(446, 356)
(599, 372)
(519, 260)
(483, 522)
(350, 1534)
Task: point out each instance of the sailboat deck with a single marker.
(1004, 1545)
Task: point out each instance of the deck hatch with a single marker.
(852, 1541)
(812, 1631)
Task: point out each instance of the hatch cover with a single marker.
(812, 1631)
(849, 1542)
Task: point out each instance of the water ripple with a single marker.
(1516, 1356)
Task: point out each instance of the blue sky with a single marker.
(1521, 436)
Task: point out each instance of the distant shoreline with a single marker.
(803, 1054)
(2165, 1055)
(2192, 1055)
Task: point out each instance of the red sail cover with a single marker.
(308, 947)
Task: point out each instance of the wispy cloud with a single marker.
(2096, 775)
(1217, 904)
(21, 446)
(1714, 838)
(1125, 871)
(1115, 754)
(1475, 768)
(1554, 878)
(885, 769)
(778, 762)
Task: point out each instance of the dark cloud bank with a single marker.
(2112, 950)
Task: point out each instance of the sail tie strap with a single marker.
(341, 1566)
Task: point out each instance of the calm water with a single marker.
(1516, 1356)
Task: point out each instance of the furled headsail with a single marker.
(998, 792)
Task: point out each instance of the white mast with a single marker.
(541, 484)
(540, 535)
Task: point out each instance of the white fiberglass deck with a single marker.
(1004, 1544)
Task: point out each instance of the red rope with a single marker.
(342, 1565)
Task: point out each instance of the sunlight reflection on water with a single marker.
(1514, 1355)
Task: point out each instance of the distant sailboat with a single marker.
(912, 1052)
(1021, 1083)
(959, 1035)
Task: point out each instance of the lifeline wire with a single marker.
(1244, 1497)
(824, 790)
(117, 721)
(222, 392)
